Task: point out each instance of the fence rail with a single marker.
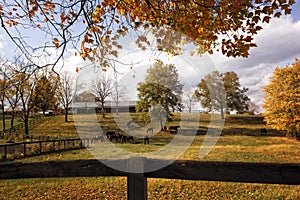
(24, 149)
(270, 173)
(7, 132)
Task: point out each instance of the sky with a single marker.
(278, 45)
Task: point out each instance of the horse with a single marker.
(130, 138)
(146, 140)
(111, 135)
(97, 138)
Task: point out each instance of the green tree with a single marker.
(222, 92)
(161, 90)
(102, 23)
(282, 99)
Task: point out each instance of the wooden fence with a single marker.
(7, 132)
(25, 149)
(270, 173)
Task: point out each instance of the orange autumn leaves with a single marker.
(282, 99)
(201, 23)
(226, 25)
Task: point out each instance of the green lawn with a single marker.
(240, 142)
(8, 123)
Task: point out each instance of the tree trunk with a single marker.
(160, 119)
(26, 126)
(66, 113)
(222, 112)
(117, 107)
(102, 109)
(12, 120)
(3, 115)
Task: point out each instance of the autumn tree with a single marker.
(45, 92)
(236, 98)
(2, 99)
(26, 87)
(161, 90)
(225, 25)
(4, 86)
(222, 92)
(12, 94)
(66, 91)
(282, 99)
(102, 88)
(211, 93)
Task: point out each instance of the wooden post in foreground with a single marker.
(136, 182)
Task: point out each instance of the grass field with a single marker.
(240, 141)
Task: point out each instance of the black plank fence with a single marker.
(30, 148)
(269, 173)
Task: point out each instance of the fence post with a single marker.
(136, 182)
(40, 143)
(5, 152)
(24, 149)
(53, 145)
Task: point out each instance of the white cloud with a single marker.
(2, 44)
(278, 45)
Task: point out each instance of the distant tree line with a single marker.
(26, 91)
(159, 95)
(222, 92)
(216, 91)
